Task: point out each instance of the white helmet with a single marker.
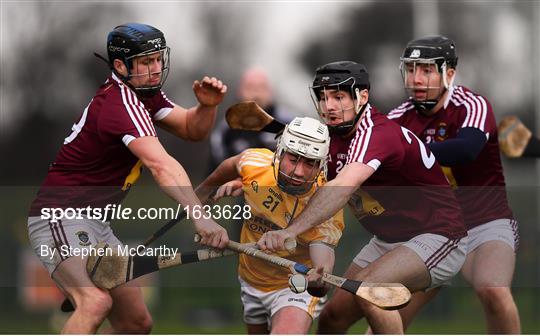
(306, 137)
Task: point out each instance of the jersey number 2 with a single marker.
(427, 159)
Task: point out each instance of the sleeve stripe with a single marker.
(126, 139)
(374, 163)
(130, 103)
(400, 110)
(135, 111)
(128, 108)
(367, 137)
(476, 109)
(352, 147)
(484, 114)
(365, 145)
(460, 101)
(471, 113)
(253, 164)
(252, 154)
(142, 113)
(254, 160)
(133, 104)
(482, 107)
(256, 157)
(356, 155)
(394, 115)
(162, 113)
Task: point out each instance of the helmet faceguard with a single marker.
(432, 51)
(133, 41)
(306, 142)
(344, 76)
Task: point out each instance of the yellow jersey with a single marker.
(273, 209)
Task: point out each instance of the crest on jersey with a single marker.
(84, 240)
(441, 133)
(255, 186)
(415, 53)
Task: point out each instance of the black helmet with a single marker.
(347, 74)
(133, 40)
(433, 49)
(344, 75)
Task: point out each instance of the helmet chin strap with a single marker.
(425, 107)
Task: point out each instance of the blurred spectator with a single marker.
(225, 142)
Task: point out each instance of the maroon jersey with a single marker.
(339, 148)
(94, 167)
(408, 194)
(481, 187)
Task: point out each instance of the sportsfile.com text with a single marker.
(119, 212)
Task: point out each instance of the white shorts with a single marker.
(259, 306)
(443, 257)
(505, 230)
(60, 235)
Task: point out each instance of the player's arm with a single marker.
(196, 123)
(225, 172)
(322, 258)
(174, 181)
(464, 148)
(328, 200)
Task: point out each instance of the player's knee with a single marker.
(94, 302)
(495, 298)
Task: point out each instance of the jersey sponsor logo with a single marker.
(276, 194)
(415, 53)
(257, 227)
(261, 225)
(84, 240)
